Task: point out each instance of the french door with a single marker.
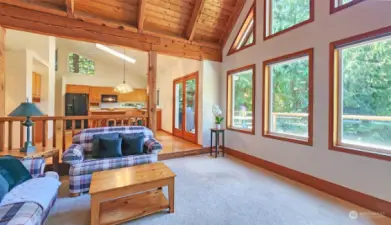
(185, 107)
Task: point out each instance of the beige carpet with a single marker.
(226, 191)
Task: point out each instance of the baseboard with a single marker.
(372, 203)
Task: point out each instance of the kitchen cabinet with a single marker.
(37, 81)
(77, 89)
(138, 95)
(95, 94)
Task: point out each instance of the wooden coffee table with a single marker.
(113, 193)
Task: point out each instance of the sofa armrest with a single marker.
(152, 146)
(74, 154)
(35, 166)
(23, 213)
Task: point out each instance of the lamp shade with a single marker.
(26, 109)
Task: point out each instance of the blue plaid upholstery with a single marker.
(81, 169)
(35, 166)
(74, 154)
(28, 213)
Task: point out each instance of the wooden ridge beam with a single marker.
(70, 4)
(190, 31)
(232, 21)
(61, 26)
(141, 15)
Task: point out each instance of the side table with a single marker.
(40, 152)
(217, 133)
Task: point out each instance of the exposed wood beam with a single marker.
(70, 8)
(2, 71)
(38, 6)
(152, 70)
(232, 21)
(190, 31)
(62, 26)
(141, 15)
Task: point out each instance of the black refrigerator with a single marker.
(76, 105)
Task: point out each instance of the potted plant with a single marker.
(218, 116)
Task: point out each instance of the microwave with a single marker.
(109, 98)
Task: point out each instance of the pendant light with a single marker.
(123, 87)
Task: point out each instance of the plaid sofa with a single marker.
(78, 155)
(28, 213)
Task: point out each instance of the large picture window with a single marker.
(240, 99)
(361, 94)
(288, 95)
(337, 5)
(285, 15)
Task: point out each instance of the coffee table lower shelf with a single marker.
(131, 207)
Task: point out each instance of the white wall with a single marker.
(210, 90)
(363, 174)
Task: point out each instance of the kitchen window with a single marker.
(80, 64)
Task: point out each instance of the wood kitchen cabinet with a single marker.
(138, 95)
(77, 89)
(95, 94)
(37, 84)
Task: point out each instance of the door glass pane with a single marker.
(190, 105)
(178, 105)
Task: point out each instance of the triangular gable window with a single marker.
(245, 37)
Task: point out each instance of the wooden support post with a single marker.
(152, 91)
(2, 71)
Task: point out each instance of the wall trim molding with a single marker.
(369, 202)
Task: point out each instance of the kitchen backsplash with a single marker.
(106, 105)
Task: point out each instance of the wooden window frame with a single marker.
(251, 15)
(266, 96)
(267, 18)
(334, 9)
(334, 96)
(229, 97)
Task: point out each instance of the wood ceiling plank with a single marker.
(165, 17)
(109, 10)
(141, 15)
(198, 8)
(167, 29)
(70, 5)
(188, 5)
(104, 22)
(167, 12)
(170, 7)
(232, 20)
(38, 6)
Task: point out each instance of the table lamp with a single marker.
(27, 109)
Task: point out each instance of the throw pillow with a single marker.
(110, 147)
(13, 171)
(132, 144)
(95, 142)
(4, 187)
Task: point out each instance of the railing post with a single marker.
(44, 133)
(54, 134)
(2, 136)
(10, 134)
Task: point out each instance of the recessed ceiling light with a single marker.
(115, 53)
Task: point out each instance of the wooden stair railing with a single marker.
(12, 126)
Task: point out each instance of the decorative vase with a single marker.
(218, 126)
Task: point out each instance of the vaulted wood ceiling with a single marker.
(205, 24)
